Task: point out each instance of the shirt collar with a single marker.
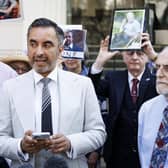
(130, 76)
(38, 77)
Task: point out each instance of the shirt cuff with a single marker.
(23, 156)
(154, 58)
(95, 71)
(70, 153)
(8, 161)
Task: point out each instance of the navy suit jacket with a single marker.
(113, 87)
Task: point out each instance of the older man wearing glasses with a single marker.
(153, 120)
(126, 91)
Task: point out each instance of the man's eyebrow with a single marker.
(32, 40)
(48, 41)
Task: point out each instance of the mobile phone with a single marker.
(41, 135)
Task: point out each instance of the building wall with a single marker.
(13, 33)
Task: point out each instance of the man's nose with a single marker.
(39, 50)
(134, 55)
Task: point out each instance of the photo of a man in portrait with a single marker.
(74, 41)
(126, 29)
(70, 43)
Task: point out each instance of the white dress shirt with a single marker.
(150, 117)
(131, 77)
(53, 88)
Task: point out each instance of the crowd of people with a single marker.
(60, 96)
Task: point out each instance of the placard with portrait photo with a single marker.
(74, 42)
(127, 27)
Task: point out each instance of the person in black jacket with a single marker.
(120, 149)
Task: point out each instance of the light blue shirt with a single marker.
(132, 28)
(150, 117)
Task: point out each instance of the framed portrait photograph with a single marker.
(151, 24)
(10, 10)
(127, 26)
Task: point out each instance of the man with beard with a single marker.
(48, 100)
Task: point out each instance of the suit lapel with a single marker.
(64, 77)
(121, 83)
(26, 108)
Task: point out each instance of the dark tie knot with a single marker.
(135, 81)
(45, 81)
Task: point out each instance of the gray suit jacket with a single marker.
(80, 118)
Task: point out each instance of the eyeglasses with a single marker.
(164, 68)
(131, 53)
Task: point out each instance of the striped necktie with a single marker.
(46, 107)
(160, 148)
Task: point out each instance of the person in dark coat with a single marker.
(120, 149)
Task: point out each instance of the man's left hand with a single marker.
(59, 143)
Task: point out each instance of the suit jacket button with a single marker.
(134, 150)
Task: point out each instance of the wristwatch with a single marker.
(154, 58)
